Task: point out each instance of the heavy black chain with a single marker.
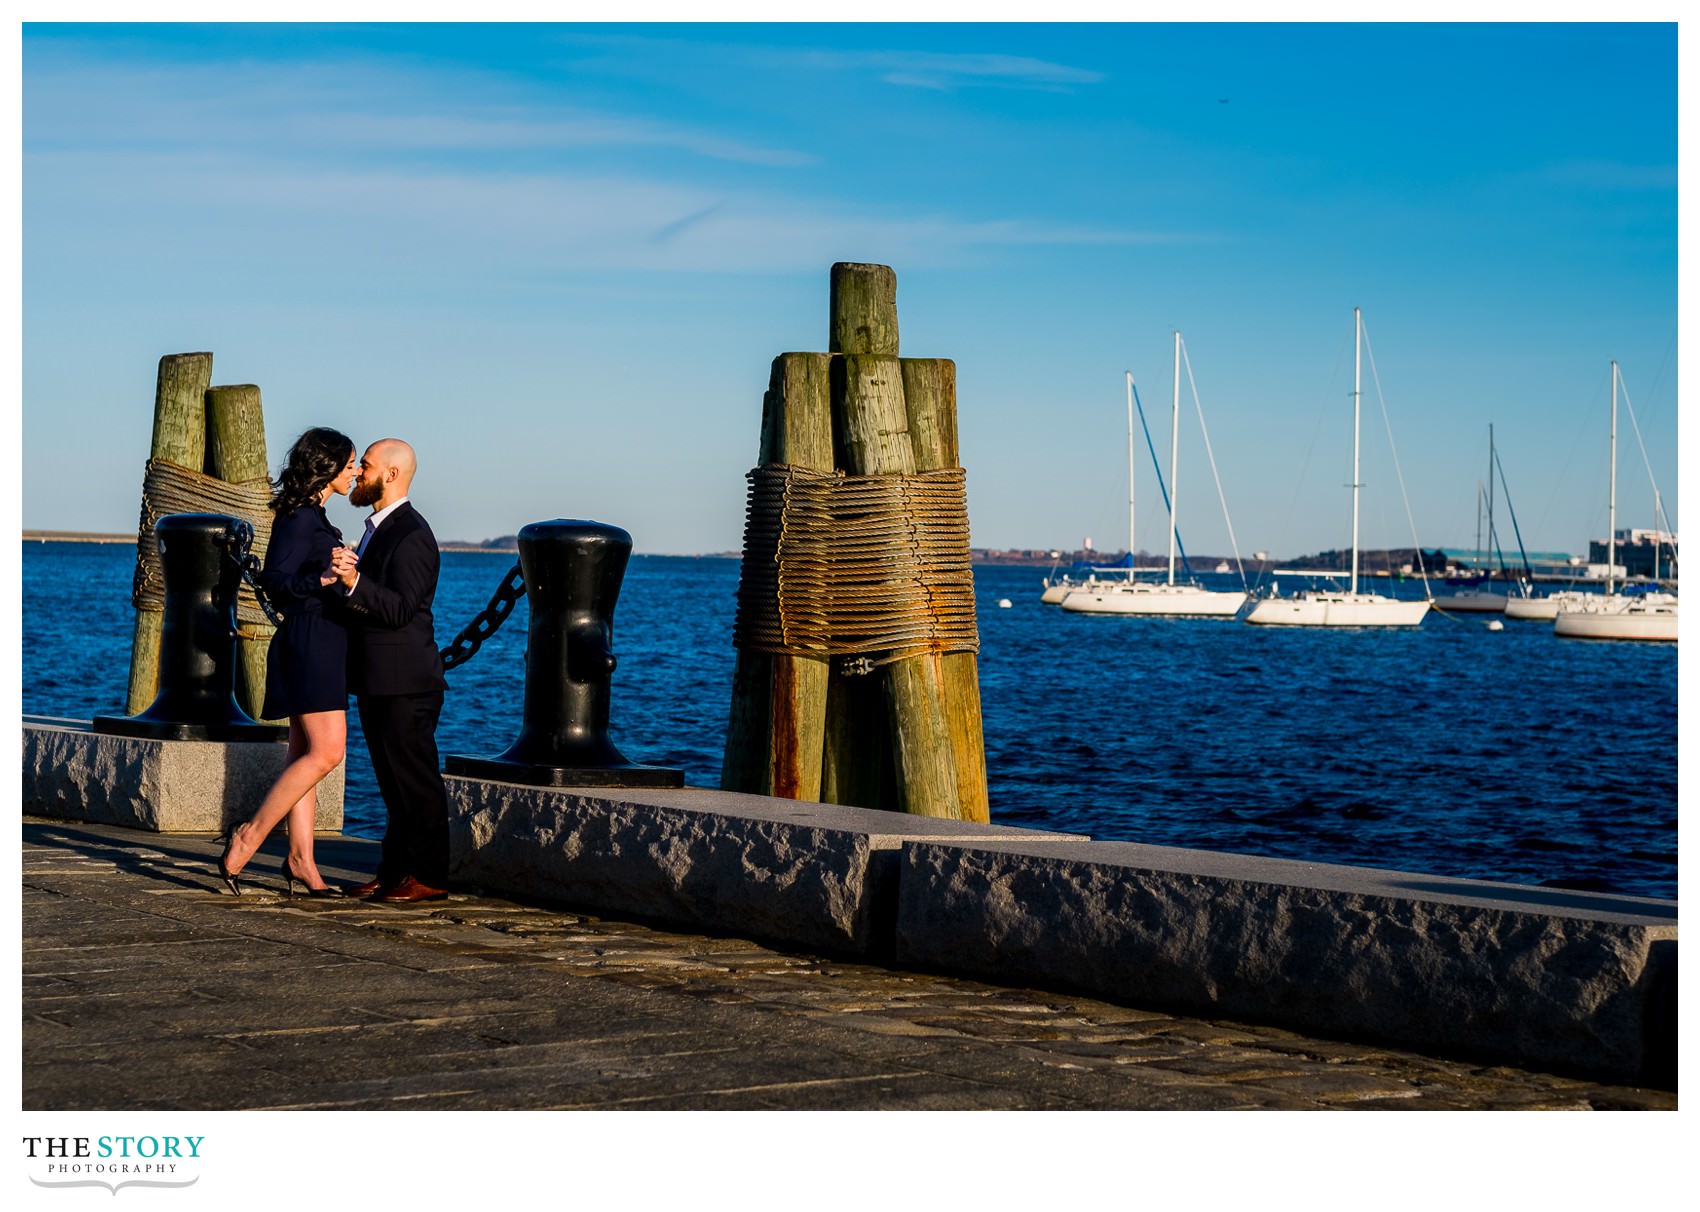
(462, 648)
(237, 543)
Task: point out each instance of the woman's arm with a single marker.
(297, 559)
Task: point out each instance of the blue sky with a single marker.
(559, 260)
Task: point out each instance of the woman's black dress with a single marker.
(307, 666)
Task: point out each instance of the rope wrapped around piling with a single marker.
(874, 568)
(167, 489)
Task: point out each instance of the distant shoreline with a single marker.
(496, 548)
(980, 557)
(499, 547)
(92, 536)
(75, 536)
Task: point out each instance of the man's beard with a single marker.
(364, 493)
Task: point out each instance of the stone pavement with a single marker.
(147, 987)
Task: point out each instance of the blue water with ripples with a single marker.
(1447, 749)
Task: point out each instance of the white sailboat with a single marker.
(1332, 607)
(1642, 616)
(1545, 607)
(1163, 599)
(1611, 615)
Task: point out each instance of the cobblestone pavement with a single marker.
(146, 987)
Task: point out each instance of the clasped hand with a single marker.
(344, 567)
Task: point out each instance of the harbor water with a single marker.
(1446, 749)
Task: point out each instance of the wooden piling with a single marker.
(856, 766)
(236, 454)
(905, 736)
(774, 737)
(863, 309)
(179, 437)
(875, 438)
(929, 397)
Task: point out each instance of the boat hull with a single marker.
(1616, 619)
(1057, 590)
(1161, 601)
(1545, 608)
(1472, 601)
(1337, 610)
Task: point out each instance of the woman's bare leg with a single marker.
(317, 741)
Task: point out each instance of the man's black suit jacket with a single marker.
(392, 648)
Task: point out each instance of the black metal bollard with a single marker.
(572, 572)
(197, 643)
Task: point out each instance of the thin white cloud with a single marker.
(940, 70)
(918, 69)
(443, 223)
(348, 163)
(514, 132)
(348, 107)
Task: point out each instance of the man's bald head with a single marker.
(393, 452)
(386, 473)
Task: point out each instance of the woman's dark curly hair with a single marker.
(317, 457)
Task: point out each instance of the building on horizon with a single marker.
(1641, 552)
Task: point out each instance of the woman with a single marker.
(306, 667)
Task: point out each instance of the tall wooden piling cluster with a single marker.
(208, 454)
(811, 726)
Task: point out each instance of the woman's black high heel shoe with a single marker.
(290, 877)
(224, 872)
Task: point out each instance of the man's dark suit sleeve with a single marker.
(412, 577)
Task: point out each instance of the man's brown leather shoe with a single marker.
(367, 889)
(408, 890)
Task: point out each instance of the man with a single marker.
(396, 674)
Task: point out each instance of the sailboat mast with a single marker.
(1611, 506)
(1659, 533)
(1493, 539)
(1129, 375)
(1478, 519)
(1357, 384)
(1174, 455)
